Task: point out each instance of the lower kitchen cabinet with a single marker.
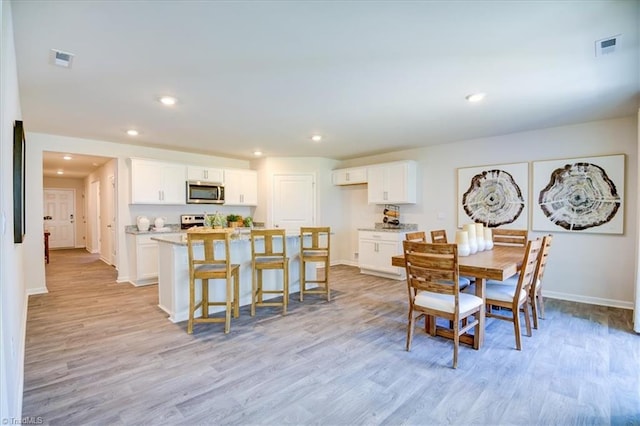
(375, 250)
(144, 258)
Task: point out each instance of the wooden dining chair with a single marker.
(515, 298)
(315, 248)
(416, 236)
(439, 236)
(537, 301)
(210, 259)
(269, 253)
(510, 237)
(434, 291)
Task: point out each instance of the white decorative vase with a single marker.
(143, 223)
(159, 223)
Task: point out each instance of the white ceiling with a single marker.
(369, 76)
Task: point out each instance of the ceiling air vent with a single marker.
(60, 58)
(608, 45)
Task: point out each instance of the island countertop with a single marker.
(239, 234)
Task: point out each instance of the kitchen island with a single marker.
(173, 273)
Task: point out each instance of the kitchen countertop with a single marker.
(168, 228)
(383, 227)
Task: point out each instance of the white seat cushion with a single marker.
(464, 282)
(502, 292)
(446, 302)
(513, 281)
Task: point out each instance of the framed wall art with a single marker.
(579, 195)
(18, 182)
(495, 195)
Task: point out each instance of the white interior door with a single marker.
(59, 214)
(294, 201)
(94, 217)
(110, 255)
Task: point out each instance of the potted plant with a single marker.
(216, 220)
(248, 222)
(234, 220)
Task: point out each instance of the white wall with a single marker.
(328, 205)
(12, 281)
(592, 268)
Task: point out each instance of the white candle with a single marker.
(488, 239)
(480, 236)
(462, 240)
(470, 228)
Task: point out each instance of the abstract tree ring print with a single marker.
(493, 198)
(584, 195)
(494, 195)
(579, 196)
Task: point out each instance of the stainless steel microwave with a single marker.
(199, 192)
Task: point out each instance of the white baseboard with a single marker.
(587, 299)
(346, 262)
(39, 290)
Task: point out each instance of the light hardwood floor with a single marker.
(98, 352)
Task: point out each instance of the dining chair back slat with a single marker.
(510, 237)
(417, 236)
(439, 236)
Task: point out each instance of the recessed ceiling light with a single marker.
(66, 157)
(257, 153)
(132, 132)
(60, 172)
(316, 138)
(475, 97)
(168, 100)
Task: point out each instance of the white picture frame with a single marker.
(516, 174)
(579, 198)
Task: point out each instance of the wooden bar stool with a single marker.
(268, 252)
(204, 265)
(314, 248)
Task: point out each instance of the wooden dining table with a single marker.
(498, 264)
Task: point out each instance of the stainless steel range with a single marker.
(190, 220)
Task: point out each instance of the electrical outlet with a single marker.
(355, 255)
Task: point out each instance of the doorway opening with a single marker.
(92, 179)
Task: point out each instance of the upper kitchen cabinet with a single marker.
(240, 187)
(156, 182)
(206, 174)
(393, 183)
(351, 176)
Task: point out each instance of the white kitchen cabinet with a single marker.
(144, 258)
(157, 182)
(350, 176)
(375, 250)
(240, 187)
(206, 174)
(392, 183)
